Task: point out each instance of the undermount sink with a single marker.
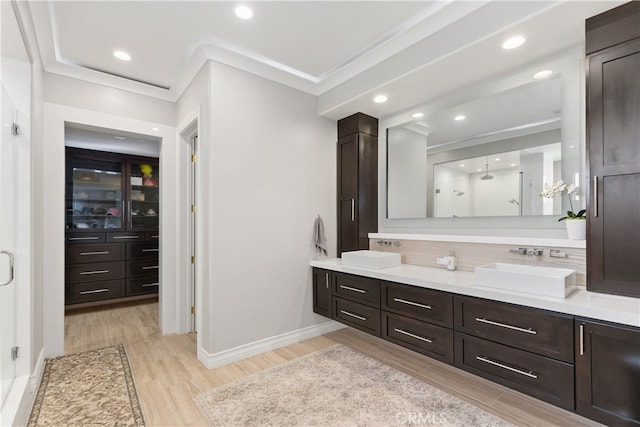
(371, 259)
(548, 281)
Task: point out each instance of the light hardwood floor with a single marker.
(168, 374)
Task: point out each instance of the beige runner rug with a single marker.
(336, 387)
(91, 388)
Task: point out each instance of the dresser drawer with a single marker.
(125, 237)
(357, 288)
(147, 267)
(359, 316)
(431, 340)
(143, 285)
(152, 236)
(76, 254)
(89, 237)
(95, 291)
(538, 331)
(538, 376)
(142, 250)
(420, 303)
(95, 271)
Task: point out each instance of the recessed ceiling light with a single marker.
(513, 42)
(380, 99)
(155, 129)
(459, 118)
(542, 74)
(479, 169)
(417, 115)
(461, 165)
(244, 12)
(497, 159)
(572, 146)
(122, 55)
(513, 164)
(119, 137)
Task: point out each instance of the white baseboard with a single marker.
(225, 357)
(17, 409)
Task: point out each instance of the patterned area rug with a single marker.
(91, 388)
(336, 387)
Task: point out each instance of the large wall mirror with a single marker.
(489, 151)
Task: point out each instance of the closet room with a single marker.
(112, 212)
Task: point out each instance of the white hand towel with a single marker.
(319, 238)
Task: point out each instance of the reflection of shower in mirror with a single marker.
(458, 192)
(514, 202)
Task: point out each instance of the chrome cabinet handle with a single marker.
(353, 315)
(529, 374)
(83, 238)
(84, 273)
(595, 196)
(353, 209)
(581, 340)
(404, 301)
(150, 284)
(11, 267)
(151, 267)
(150, 250)
(155, 236)
(409, 334)
(94, 253)
(125, 237)
(504, 325)
(326, 280)
(349, 288)
(95, 291)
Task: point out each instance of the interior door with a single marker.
(8, 193)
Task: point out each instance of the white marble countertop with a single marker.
(612, 308)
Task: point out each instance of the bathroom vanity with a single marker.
(569, 352)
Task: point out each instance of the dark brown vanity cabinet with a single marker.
(357, 181)
(355, 301)
(322, 292)
(112, 217)
(613, 149)
(608, 373)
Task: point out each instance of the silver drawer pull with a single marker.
(485, 359)
(155, 236)
(404, 301)
(84, 273)
(151, 267)
(349, 288)
(125, 237)
(95, 291)
(94, 253)
(83, 238)
(353, 315)
(504, 325)
(150, 250)
(409, 334)
(150, 284)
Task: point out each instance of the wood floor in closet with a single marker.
(168, 374)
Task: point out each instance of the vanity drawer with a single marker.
(357, 288)
(142, 250)
(89, 237)
(125, 237)
(538, 331)
(95, 271)
(538, 376)
(420, 303)
(152, 236)
(431, 340)
(147, 267)
(95, 291)
(144, 285)
(359, 316)
(76, 254)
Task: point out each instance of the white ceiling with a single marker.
(344, 52)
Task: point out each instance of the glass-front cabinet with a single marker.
(144, 188)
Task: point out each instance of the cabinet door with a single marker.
(143, 183)
(347, 194)
(322, 292)
(608, 373)
(613, 116)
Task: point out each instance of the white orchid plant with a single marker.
(558, 188)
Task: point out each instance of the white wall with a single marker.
(271, 168)
(407, 174)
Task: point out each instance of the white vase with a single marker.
(576, 228)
